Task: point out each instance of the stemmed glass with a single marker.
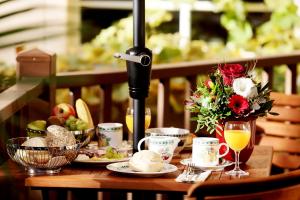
(129, 121)
(237, 135)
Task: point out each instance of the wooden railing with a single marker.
(189, 70)
(21, 94)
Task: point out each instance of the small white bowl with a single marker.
(182, 134)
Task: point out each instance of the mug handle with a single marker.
(227, 149)
(141, 141)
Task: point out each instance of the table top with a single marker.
(78, 176)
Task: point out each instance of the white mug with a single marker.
(110, 134)
(164, 145)
(205, 151)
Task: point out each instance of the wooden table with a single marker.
(99, 178)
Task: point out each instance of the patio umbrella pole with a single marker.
(138, 61)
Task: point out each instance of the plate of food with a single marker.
(101, 156)
(144, 164)
(223, 163)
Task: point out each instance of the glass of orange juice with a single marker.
(237, 135)
(129, 121)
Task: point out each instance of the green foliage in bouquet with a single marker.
(230, 93)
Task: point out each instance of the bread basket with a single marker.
(37, 160)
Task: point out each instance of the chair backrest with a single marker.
(283, 131)
(277, 187)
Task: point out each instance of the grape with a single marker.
(73, 126)
(70, 120)
(109, 153)
(112, 153)
(81, 125)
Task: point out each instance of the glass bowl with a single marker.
(38, 160)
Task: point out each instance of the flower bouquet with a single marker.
(230, 93)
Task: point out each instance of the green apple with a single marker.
(39, 125)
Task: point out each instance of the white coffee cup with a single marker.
(164, 145)
(110, 134)
(205, 151)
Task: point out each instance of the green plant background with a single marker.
(280, 33)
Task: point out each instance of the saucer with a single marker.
(123, 167)
(224, 163)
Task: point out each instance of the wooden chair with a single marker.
(277, 187)
(283, 131)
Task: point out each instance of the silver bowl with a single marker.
(182, 134)
(84, 136)
(41, 159)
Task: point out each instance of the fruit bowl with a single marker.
(35, 133)
(36, 128)
(84, 136)
(182, 134)
(38, 160)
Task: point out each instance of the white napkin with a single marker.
(192, 178)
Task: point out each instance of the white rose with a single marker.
(244, 87)
(253, 92)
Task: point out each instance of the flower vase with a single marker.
(246, 152)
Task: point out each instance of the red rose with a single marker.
(238, 104)
(231, 71)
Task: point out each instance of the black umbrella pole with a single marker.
(138, 122)
(139, 23)
(138, 62)
(139, 80)
(142, 91)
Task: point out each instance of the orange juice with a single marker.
(129, 122)
(237, 139)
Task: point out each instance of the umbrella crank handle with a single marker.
(143, 59)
